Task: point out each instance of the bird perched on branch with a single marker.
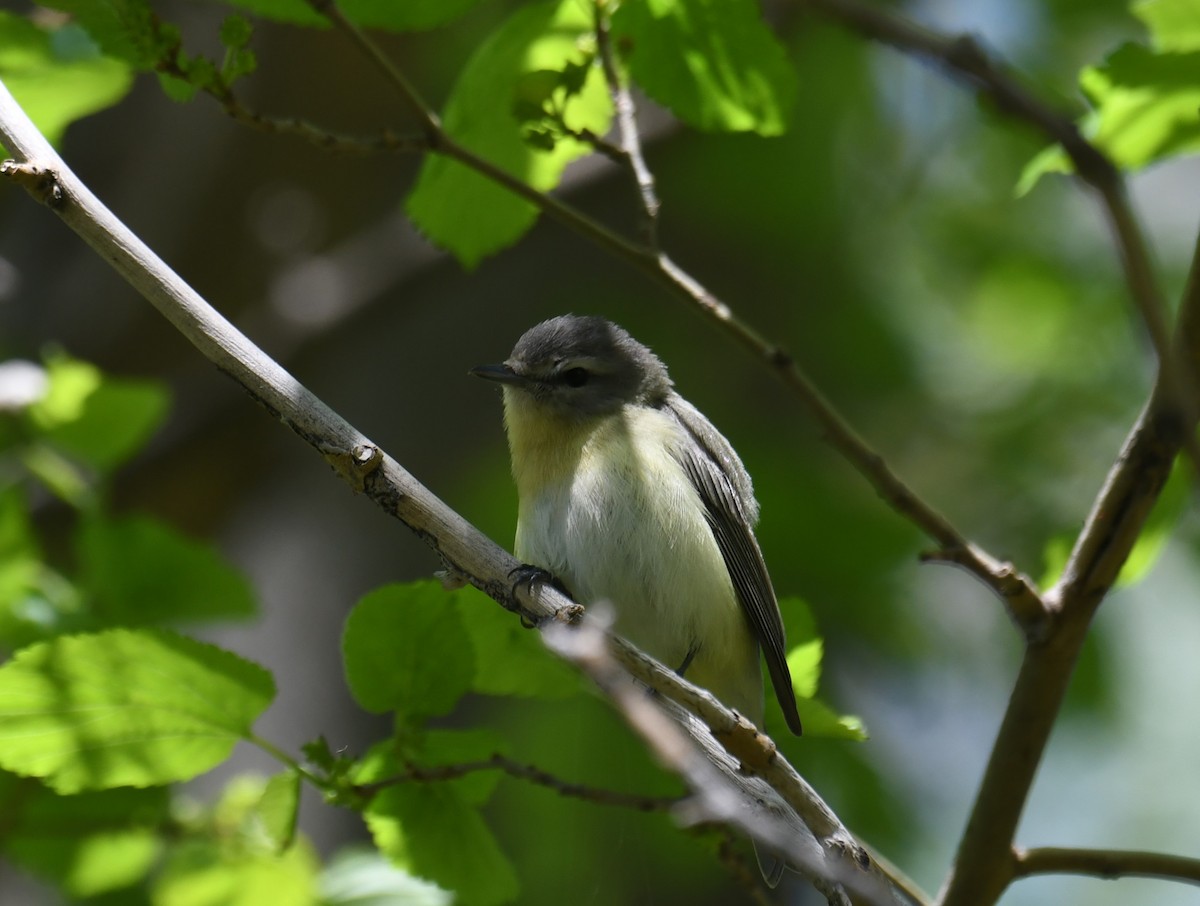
(629, 494)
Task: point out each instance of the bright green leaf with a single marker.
(1173, 24)
(89, 843)
(141, 572)
(116, 422)
(57, 76)
(1149, 104)
(432, 831)
(1152, 541)
(1147, 109)
(278, 809)
(821, 721)
(1054, 560)
(1051, 159)
(715, 63)
(466, 212)
(204, 873)
(125, 708)
(805, 646)
(509, 659)
(406, 650)
(1158, 528)
(360, 876)
(101, 420)
(71, 383)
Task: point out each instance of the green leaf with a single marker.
(125, 708)
(16, 531)
(1051, 159)
(236, 31)
(89, 843)
(432, 831)
(1173, 24)
(101, 420)
(71, 382)
(466, 212)
(509, 659)
(1147, 109)
(715, 63)
(1149, 104)
(1148, 548)
(142, 572)
(205, 873)
(822, 721)
(57, 76)
(805, 647)
(116, 422)
(360, 876)
(33, 598)
(406, 650)
(409, 15)
(278, 809)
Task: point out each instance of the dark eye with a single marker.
(575, 377)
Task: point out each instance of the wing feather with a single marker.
(724, 486)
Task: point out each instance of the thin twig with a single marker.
(628, 133)
(984, 864)
(1014, 588)
(417, 106)
(1106, 863)
(739, 870)
(322, 138)
(529, 773)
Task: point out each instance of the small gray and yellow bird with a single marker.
(628, 494)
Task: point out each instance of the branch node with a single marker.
(40, 182)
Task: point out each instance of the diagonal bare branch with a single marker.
(464, 550)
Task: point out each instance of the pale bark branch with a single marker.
(984, 865)
(463, 549)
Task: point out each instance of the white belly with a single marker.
(624, 524)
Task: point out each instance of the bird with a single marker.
(628, 494)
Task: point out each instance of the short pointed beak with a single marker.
(502, 374)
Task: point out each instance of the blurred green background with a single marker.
(984, 344)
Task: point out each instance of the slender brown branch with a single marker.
(322, 138)
(417, 106)
(984, 865)
(529, 773)
(1105, 863)
(1014, 588)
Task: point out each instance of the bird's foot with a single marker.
(528, 575)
